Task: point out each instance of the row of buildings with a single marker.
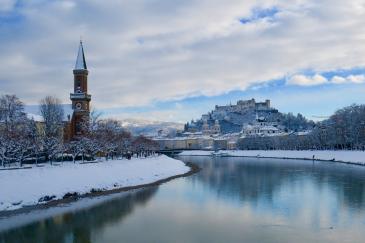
(210, 138)
(197, 143)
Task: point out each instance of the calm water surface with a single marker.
(230, 200)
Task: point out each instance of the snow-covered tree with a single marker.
(5, 149)
(52, 113)
(15, 131)
(11, 113)
(74, 149)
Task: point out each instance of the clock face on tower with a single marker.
(78, 106)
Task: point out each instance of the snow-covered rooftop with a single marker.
(34, 117)
(269, 128)
(303, 133)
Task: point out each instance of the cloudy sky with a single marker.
(175, 59)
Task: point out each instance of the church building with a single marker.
(80, 97)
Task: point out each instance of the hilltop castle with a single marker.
(241, 107)
(231, 118)
(244, 105)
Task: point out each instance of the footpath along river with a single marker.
(229, 200)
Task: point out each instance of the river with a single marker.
(229, 200)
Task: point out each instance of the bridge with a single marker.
(172, 152)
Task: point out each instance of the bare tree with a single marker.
(52, 113)
(11, 113)
(13, 130)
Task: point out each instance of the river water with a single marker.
(229, 200)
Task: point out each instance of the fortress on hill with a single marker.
(232, 118)
(245, 104)
(241, 107)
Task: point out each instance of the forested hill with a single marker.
(345, 129)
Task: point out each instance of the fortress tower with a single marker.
(80, 98)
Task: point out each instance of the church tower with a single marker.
(80, 98)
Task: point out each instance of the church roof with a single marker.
(80, 61)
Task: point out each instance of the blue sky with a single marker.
(174, 60)
(312, 101)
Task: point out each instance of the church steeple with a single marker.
(80, 61)
(80, 97)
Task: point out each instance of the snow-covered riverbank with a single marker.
(25, 187)
(356, 157)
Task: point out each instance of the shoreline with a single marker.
(7, 213)
(231, 154)
(264, 157)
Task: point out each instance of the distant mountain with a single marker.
(151, 128)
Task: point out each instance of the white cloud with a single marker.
(303, 80)
(357, 79)
(140, 51)
(7, 5)
(338, 80)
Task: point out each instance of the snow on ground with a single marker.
(357, 157)
(25, 187)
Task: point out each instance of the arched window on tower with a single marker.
(78, 87)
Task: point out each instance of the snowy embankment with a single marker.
(27, 187)
(356, 157)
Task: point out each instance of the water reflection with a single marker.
(229, 200)
(78, 226)
(253, 180)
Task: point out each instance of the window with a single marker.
(78, 128)
(78, 90)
